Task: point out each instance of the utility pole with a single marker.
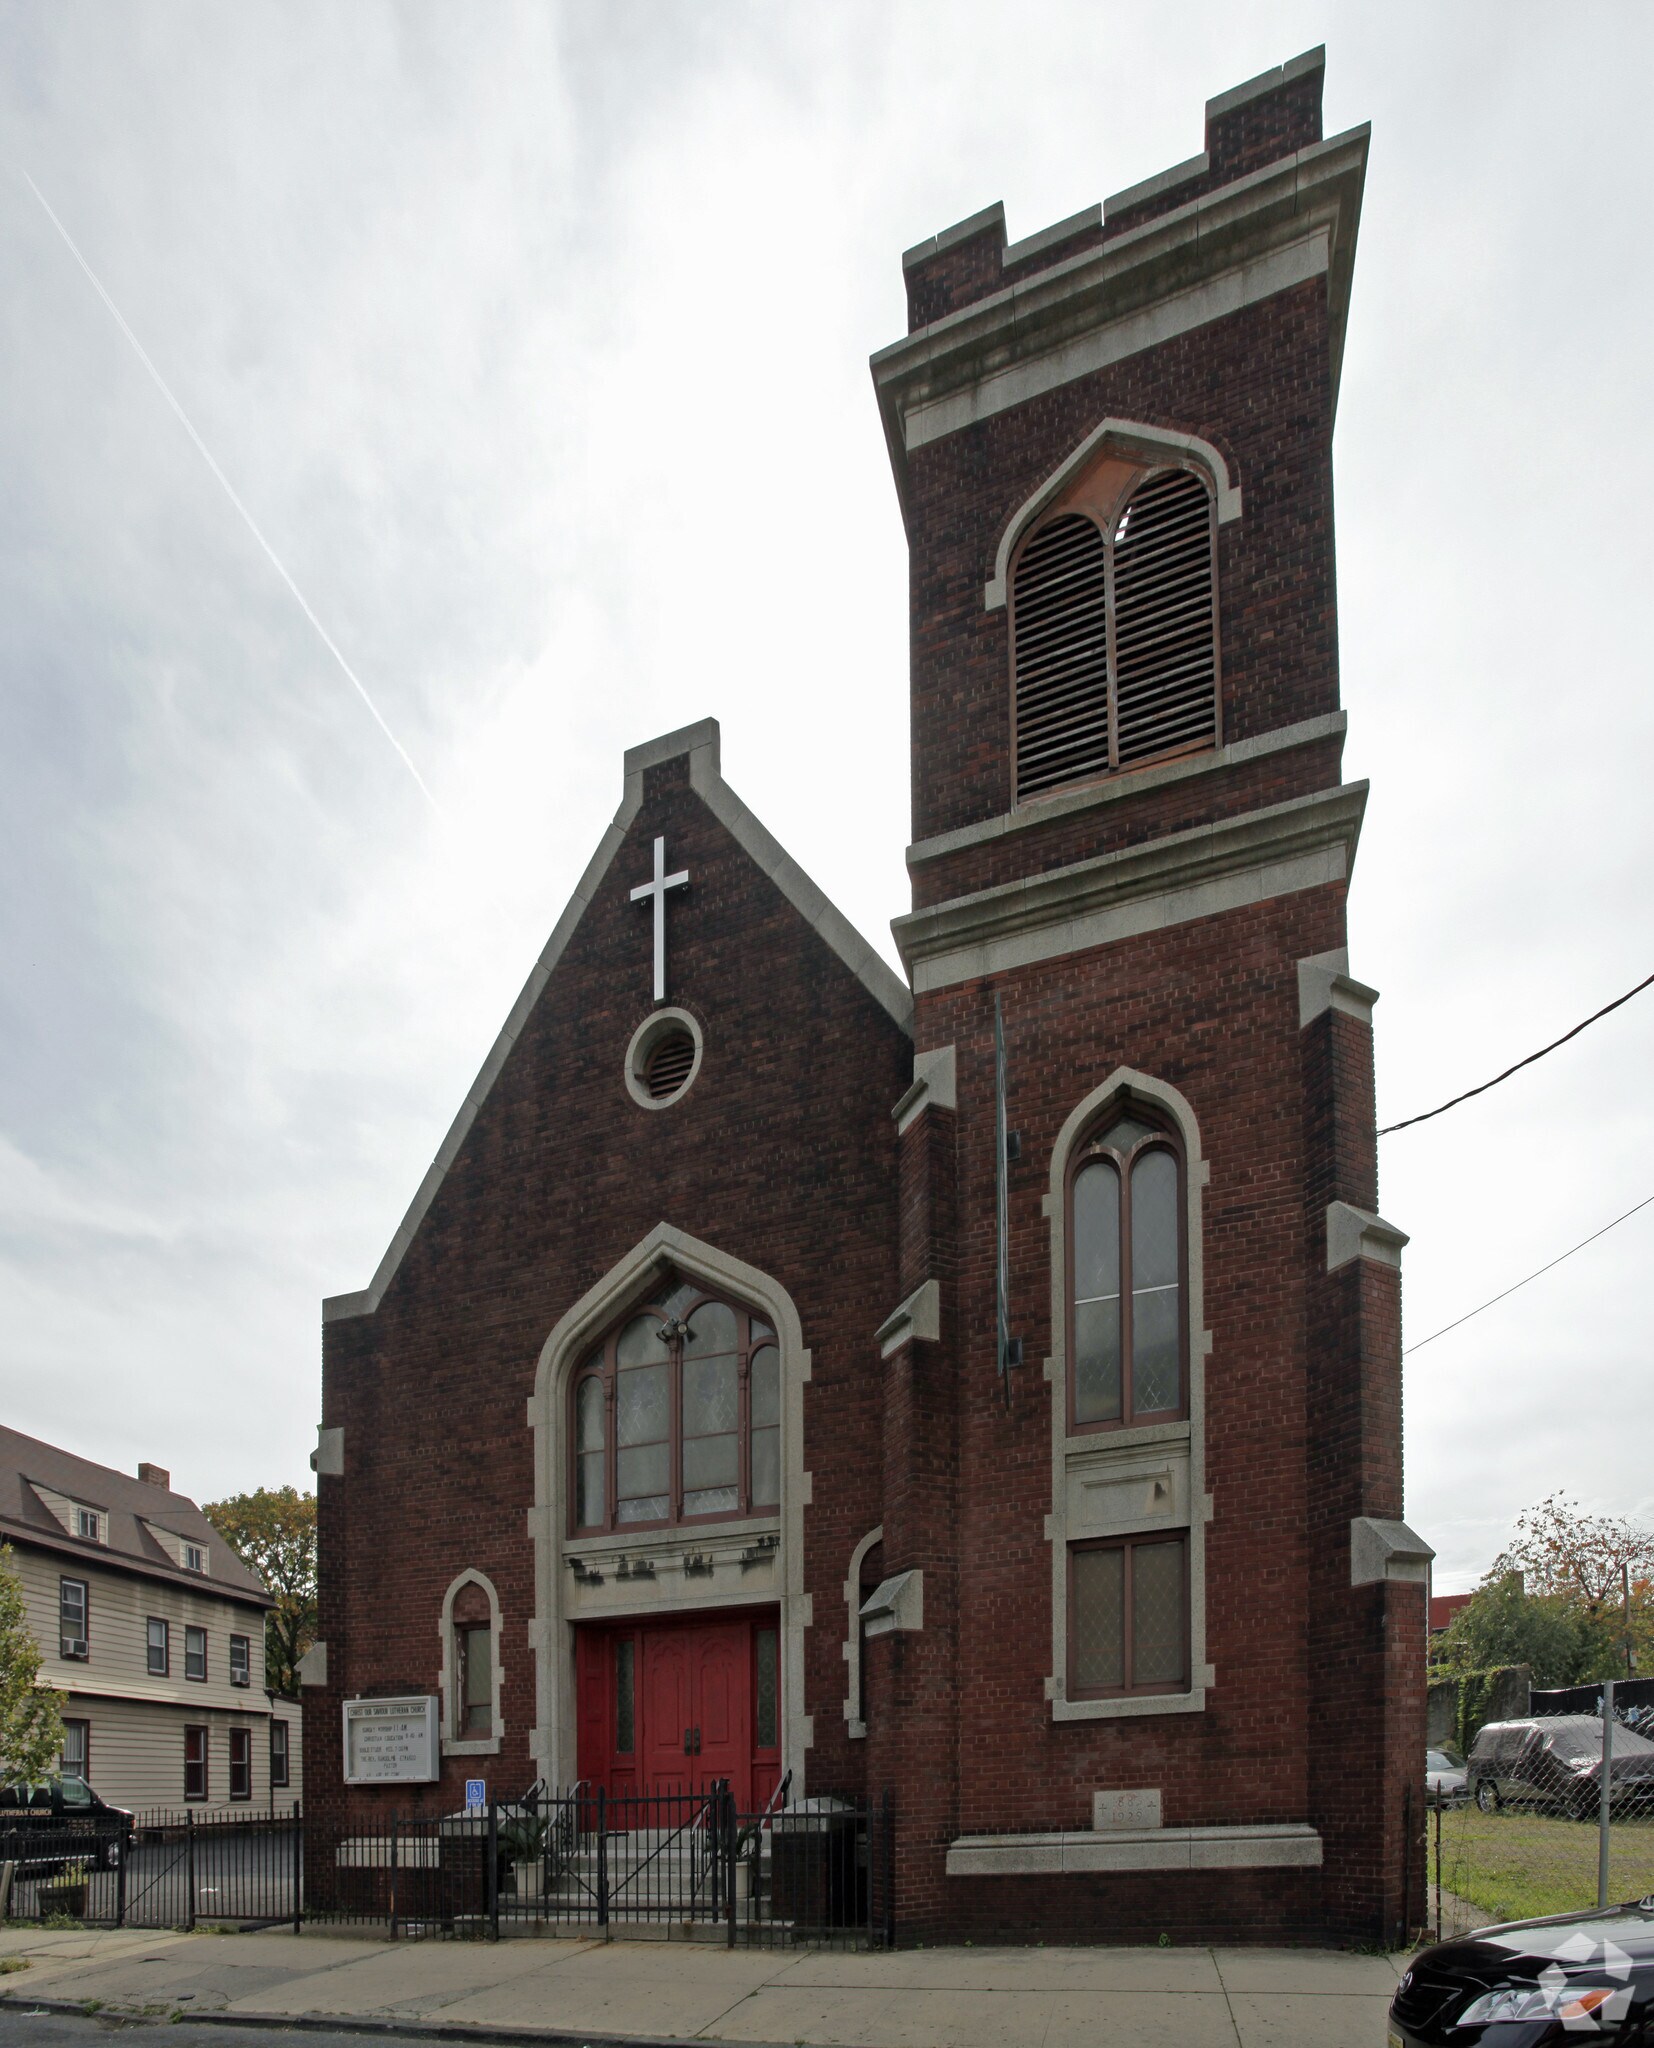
(1625, 1604)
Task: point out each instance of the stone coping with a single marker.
(1266, 1846)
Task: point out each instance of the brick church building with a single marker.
(774, 1376)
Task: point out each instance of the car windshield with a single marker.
(1439, 1760)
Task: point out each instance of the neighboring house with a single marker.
(154, 1628)
(1443, 1608)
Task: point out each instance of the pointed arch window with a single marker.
(1128, 1322)
(1114, 627)
(676, 1417)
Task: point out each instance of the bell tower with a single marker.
(1152, 1549)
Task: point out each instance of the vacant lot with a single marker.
(1516, 1864)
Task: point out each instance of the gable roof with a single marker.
(134, 1509)
(700, 743)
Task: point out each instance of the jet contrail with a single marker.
(229, 491)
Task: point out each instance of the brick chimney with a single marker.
(156, 1475)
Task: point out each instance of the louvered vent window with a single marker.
(670, 1059)
(1116, 640)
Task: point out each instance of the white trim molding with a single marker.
(1125, 782)
(1171, 1456)
(1262, 233)
(1354, 1233)
(662, 1572)
(1324, 984)
(935, 1085)
(1305, 843)
(895, 1604)
(1136, 440)
(853, 1721)
(918, 1320)
(455, 1745)
(700, 743)
(1293, 1845)
(1387, 1550)
(644, 1040)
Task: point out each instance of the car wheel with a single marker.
(109, 1852)
(1487, 1796)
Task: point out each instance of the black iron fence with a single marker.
(165, 1870)
(686, 1863)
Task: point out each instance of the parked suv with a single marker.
(1557, 1761)
(45, 1826)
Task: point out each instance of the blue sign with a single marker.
(476, 1794)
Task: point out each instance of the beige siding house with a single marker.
(154, 1628)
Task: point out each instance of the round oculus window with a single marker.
(663, 1058)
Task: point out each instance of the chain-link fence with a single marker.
(1555, 1815)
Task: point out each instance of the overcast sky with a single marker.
(534, 339)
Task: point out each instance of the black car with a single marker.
(1533, 1983)
(42, 1827)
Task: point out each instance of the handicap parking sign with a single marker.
(476, 1794)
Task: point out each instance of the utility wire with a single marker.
(1520, 1064)
(252, 527)
(1568, 1254)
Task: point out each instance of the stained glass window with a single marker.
(1129, 1618)
(1126, 1239)
(766, 1719)
(677, 1416)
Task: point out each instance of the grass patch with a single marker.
(10, 1965)
(1521, 1865)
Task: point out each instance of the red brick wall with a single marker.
(783, 1153)
(1257, 385)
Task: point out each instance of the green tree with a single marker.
(31, 1714)
(274, 1531)
(1555, 1634)
(1561, 1549)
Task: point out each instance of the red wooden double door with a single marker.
(674, 1705)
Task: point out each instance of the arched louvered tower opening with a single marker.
(1115, 634)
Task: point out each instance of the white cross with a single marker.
(658, 888)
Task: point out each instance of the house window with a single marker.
(89, 1524)
(195, 1557)
(1114, 627)
(241, 1660)
(676, 1417)
(474, 1715)
(77, 1749)
(241, 1763)
(1127, 1337)
(72, 1619)
(280, 1767)
(195, 1763)
(195, 1653)
(159, 1646)
(1128, 1618)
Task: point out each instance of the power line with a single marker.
(1520, 1064)
(1568, 1254)
(252, 527)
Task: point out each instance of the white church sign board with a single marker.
(391, 1742)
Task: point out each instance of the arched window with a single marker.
(1128, 1325)
(676, 1417)
(1114, 627)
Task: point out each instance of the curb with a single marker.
(393, 2030)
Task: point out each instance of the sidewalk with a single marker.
(915, 1998)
